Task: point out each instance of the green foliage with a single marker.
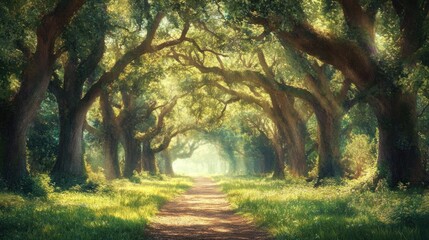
(363, 120)
(143, 176)
(122, 213)
(296, 210)
(359, 155)
(42, 186)
(43, 137)
(84, 32)
(239, 10)
(37, 186)
(18, 20)
(95, 183)
(136, 177)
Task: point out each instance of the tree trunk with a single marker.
(328, 133)
(14, 161)
(148, 157)
(296, 152)
(168, 163)
(292, 129)
(110, 139)
(35, 80)
(111, 158)
(133, 152)
(279, 167)
(268, 154)
(22, 111)
(70, 163)
(398, 154)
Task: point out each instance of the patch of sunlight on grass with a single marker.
(293, 209)
(121, 213)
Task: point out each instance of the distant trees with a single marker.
(180, 149)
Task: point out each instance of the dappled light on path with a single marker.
(202, 213)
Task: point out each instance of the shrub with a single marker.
(135, 178)
(36, 186)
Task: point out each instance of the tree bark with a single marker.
(279, 167)
(399, 157)
(293, 131)
(328, 134)
(70, 162)
(14, 142)
(110, 138)
(133, 153)
(148, 157)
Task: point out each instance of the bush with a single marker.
(135, 178)
(95, 183)
(36, 186)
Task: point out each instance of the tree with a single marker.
(181, 149)
(70, 161)
(160, 130)
(372, 73)
(280, 108)
(18, 112)
(87, 29)
(261, 140)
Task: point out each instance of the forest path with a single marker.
(202, 213)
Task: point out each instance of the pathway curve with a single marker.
(202, 213)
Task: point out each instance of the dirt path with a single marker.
(202, 213)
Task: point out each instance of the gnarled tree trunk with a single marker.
(399, 155)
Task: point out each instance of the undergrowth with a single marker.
(294, 209)
(96, 209)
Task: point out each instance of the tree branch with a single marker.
(144, 48)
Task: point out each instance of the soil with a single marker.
(202, 213)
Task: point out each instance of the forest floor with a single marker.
(202, 213)
(293, 209)
(119, 209)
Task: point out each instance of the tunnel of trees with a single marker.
(314, 89)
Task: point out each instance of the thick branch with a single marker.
(94, 131)
(144, 48)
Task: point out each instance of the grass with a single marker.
(294, 209)
(122, 212)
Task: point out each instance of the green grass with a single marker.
(293, 209)
(120, 213)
